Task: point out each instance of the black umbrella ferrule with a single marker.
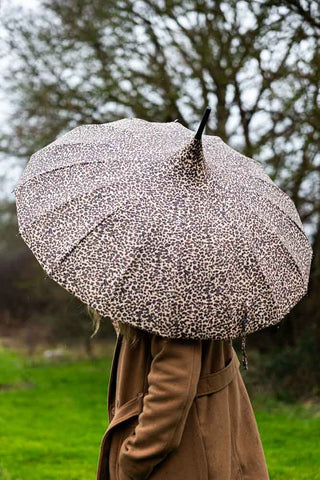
(203, 123)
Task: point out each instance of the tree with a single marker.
(256, 63)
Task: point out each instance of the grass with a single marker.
(290, 436)
(54, 414)
(53, 418)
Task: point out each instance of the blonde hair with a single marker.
(128, 331)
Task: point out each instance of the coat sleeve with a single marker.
(172, 385)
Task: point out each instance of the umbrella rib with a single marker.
(20, 185)
(22, 230)
(236, 257)
(119, 281)
(66, 254)
(277, 206)
(269, 201)
(64, 145)
(259, 266)
(55, 170)
(269, 183)
(56, 207)
(133, 260)
(101, 187)
(77, 144)
(279, 237)
(265, 278)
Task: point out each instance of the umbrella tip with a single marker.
(203, 123)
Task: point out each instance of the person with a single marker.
(178, 410)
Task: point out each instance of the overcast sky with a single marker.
(12, 168)
(9, 166)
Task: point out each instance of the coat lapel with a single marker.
(113, 376)
(103, 469)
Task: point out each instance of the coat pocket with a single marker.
(122, 424)
(123, 430)
(217, 408)
(188, 461)
(216, 381)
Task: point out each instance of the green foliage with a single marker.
(288, 372)
(295, 369)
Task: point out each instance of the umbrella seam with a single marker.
(273, 204)
(78, 241)
(61, 145)
(55, 170)
(56, 207)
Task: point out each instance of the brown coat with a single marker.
(179, 410)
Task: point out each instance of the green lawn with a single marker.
(53, 416)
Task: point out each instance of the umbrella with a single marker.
(170, 231)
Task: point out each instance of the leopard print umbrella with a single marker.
(174, 233)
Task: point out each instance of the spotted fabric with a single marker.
(152, 227)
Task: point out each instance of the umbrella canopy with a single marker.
(174, 233)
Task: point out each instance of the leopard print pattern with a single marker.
(152, 227)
